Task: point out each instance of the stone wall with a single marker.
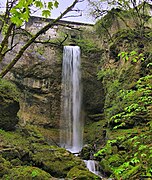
(62, 27)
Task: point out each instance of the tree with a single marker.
(137, 10)
(17, 12)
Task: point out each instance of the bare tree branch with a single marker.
(4, 42)
(57, 44)
(12, 47)
(78, 15)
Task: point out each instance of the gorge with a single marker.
(109, 93)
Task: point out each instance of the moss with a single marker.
(9, 106)
(87, 152)
(4, 166)
(8, 91)
(81, 173)
(51, 135)
(105, 166)
(15, 139)
(26, 172)
(94, 132)
(26, 146)
(56, 161)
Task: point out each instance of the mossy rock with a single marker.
(9, 105)
(86, 152)
(8, 91)
(26, 173)
(94, 133)
(10, 153)
(19, 150)
(105, 166)
(4, 166)
(56, 161)
(81, 173)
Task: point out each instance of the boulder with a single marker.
(79, 172)
(27, 172)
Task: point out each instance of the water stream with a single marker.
(71, 136)
(93, 166)
(71, 124)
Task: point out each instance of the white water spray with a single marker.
(71, 124)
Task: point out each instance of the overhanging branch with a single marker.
(43, 30)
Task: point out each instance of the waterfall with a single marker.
(93, 167)
(71, 123)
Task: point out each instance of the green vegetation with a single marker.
(127, 156)
(9, 105)
(26, 172)
(118, 125)
(133, 56)
(80, 173)
(136, 106)
(21, 11)
(126, 150)
(26, 155)
(8, 90)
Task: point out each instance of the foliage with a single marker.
(87, 45)
(135, 157)
(133, 56)
(21, 11)
(108, 74)
(127, 85)
(137, 102)
(121, 13)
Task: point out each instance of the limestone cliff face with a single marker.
(93, 93)
(38, 76)
(40, 83)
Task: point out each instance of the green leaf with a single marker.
(123, 54)
(16, 20)
(119, 54)
(127, 58)
(50, 5)
(56, 4)
(133, 53)
(25, 15)
(142, 59)
(20, 4)
(150, 64)
(46, 13)
(38, 4)
(134, 60)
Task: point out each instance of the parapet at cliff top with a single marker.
(37, 19)
(36, 23)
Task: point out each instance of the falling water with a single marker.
(71, 124)
(93, 167)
